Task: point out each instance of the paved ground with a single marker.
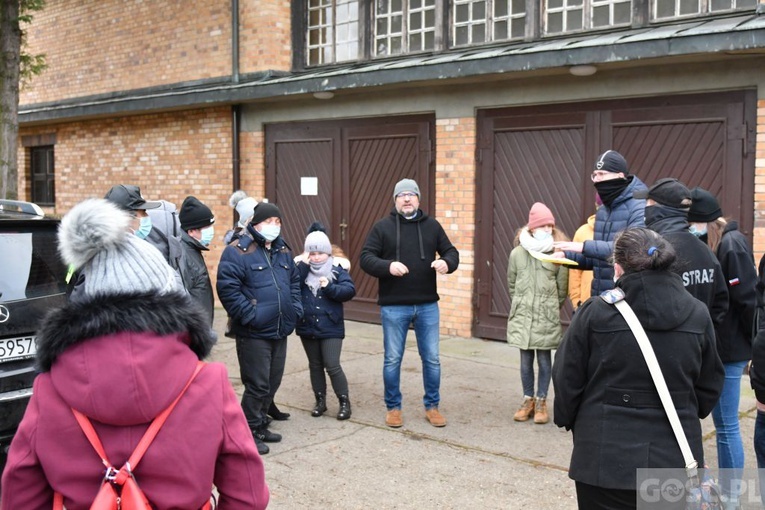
(481, 459)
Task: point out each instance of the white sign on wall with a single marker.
(309, 186)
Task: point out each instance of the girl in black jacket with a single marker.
(324, 286)
(604, 392)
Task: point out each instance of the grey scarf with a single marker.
(318, 271)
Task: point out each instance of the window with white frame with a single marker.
(404, 26)
(332, 31)
(562, 16)
(484, 21)
(668, 9)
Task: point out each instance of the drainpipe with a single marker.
(236, 118)
(235, 41)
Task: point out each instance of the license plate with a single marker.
(17, 348)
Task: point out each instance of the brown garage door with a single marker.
(545, 154)
(356, 163)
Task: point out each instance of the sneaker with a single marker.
(267, 436)
(393, 418)
(276, 414)
(435, 418)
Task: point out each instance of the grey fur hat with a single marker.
(94, 239)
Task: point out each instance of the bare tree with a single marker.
(15, 67)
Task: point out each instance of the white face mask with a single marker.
(541, 235)
(270, 232)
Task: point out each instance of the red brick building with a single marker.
(490, 104)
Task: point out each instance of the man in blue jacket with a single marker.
(400, 251)
(259, 286)
(620, 210)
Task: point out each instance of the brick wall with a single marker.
(150, 44)
(170, 156)
(759, 183)
(455, 209)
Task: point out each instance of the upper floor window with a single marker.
(484, 21)
(333, 31)
(668, 9)
(404, 26)
(43, 182)
(562, 16)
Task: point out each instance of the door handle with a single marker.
(343, 226)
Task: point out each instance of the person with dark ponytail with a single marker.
(604, 392)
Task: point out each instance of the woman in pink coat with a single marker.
(120, 353)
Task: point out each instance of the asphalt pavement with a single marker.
(481, 459)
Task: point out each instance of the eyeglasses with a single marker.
(406, 195)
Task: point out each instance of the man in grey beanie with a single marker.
(400, 251)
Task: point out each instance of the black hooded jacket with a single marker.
(697, 266)
(414, 243)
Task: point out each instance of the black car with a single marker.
(32, 281)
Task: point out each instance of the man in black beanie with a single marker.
(259, 286)
(197, 224)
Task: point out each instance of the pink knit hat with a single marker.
(540, 215)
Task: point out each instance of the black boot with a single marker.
(261, 446)
(267, 436)
(321, 405)
(345, 408)
(276, 414)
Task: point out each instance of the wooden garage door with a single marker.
(546, 153)
(356, 164)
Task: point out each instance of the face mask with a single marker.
(541, 235)
(270, 232)
(207, 236)
(698, 233)
(144, 229)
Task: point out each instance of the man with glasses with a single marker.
(620, 210)
(400, 251)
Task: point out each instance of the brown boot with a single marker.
(540, 411)
(526, 410)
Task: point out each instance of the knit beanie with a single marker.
(704, 208)
(318, 241)
(405, 185)
(195, 214)
(243, 205)
(612, 161)
(263, 211)
(94, 239)
(539, 216)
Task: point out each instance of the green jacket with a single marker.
(537, 290)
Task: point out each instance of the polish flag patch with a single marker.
(733, 282)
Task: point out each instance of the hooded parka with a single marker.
(604, 392)
(537, 290)
(121, 360)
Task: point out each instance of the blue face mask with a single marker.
(144, 229)
(207, 236)
(270, 232)
(698, 233)
(541, 235)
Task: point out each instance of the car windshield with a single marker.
(30, 265)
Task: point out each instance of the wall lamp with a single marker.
(324, 94)
(583, 70)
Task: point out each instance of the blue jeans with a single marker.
(730, 448)
(395, 322)
(544, 360)
(759, 448)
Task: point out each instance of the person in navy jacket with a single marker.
(259, 286)
(324, 287)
